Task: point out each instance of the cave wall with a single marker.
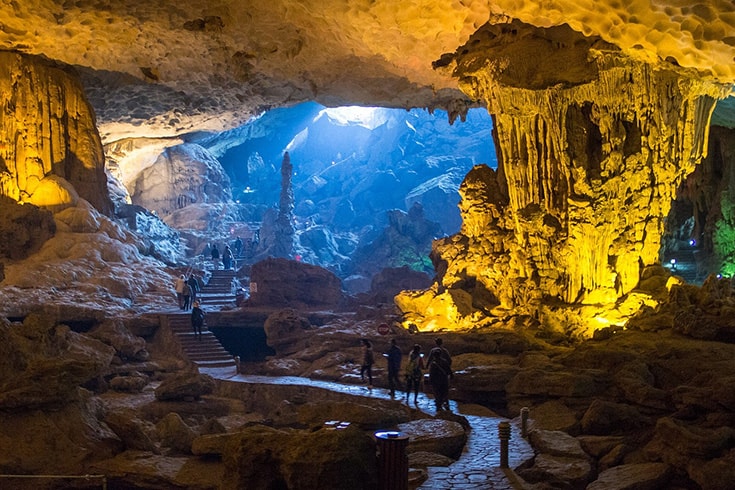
(705, 209)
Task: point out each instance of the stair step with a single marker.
(205, 351)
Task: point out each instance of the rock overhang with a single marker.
(166, 68)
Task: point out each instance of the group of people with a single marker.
(438, 364)
(186, 291)
(228, 254)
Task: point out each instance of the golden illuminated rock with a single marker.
(589, 164)
(48, 129)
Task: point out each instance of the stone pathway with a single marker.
(479, 466)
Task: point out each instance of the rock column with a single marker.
(592, 146)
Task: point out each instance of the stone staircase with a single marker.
(207, 353)
(218, 291)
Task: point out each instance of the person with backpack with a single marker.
(440, 371)
(367, 362)
(414, 372)
(197, 320)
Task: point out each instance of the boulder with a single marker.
(184, 386)
(284, 331)
(263, 457)
(642, 476)
(139, 469)
(556, 443)
(677, 443)
(435, 436)
(175, 434)
(388, 282)
(553, 383)
(42, 364)
(423, 459)
(131, 383)
(558, 471)
(134, 433)
(605, 418)
(288, 283)
(128, 346)
(553, 415)
(60, 441)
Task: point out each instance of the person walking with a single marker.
(187, 296)
(394, 356)
(197, 320)
(194, 285)
(227, 258)
(414, 372)
(179, 286)
(367, 362)
(215, 256)
(440, 371)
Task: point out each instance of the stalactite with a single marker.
(591, 170)
(47, 128)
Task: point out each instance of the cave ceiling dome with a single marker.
(168, 68)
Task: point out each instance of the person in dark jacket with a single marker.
(440, 371)
(197, 320)
(367, 362)
(215, 256)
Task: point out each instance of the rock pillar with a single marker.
(592, 146)
(50, 150)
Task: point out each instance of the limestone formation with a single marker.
(28, 225)
(589, 163)
(182, 176)
(56, 152)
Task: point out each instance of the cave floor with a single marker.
(478, 468)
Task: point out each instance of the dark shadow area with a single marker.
(249, 343)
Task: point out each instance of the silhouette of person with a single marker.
(414, 372)
(440, 370)
(367, 362)
(197, 319)
(215, 256)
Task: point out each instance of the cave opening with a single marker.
(357, 172)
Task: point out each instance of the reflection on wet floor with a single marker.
(478, 468)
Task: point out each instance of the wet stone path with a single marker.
(478, 468)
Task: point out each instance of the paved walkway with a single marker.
(479, 466)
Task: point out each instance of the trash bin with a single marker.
(392, 460)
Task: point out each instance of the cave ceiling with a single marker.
(168, 68)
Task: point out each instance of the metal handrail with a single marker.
(65, 477)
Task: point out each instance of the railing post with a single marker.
(524, 422)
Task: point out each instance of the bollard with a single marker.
(524, 422)
(392, 460)
(504, 435)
